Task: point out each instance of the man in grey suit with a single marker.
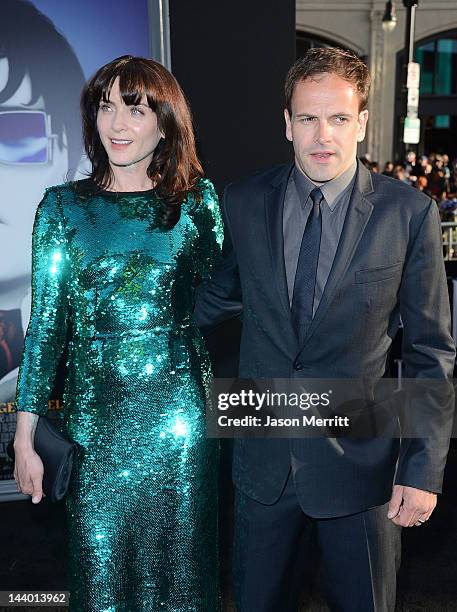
(323, 259)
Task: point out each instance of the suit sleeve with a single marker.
(428, 355)
(219, 298)
(47, 329)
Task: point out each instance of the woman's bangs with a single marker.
(134, 84)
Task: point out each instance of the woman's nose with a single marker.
(118, 121)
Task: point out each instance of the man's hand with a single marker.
(410, 507)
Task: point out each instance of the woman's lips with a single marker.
(119, 144)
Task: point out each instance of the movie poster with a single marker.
(48, 50)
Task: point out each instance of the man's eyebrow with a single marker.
(311, 116)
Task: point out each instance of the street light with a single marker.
(410, 89)
(410, 6)
(389, 20)
(410, 123)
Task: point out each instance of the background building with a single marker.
(357, 25)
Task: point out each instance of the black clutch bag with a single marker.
(57, 454)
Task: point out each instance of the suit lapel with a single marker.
(274, 206)
(357, 217)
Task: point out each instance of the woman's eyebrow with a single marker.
(108, 101)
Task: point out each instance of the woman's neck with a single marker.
(130, 178)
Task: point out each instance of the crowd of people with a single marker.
(434, 174)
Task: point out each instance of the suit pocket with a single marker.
(374, 275)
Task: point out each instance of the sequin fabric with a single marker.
(142, 506)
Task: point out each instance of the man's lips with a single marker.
(322, 156)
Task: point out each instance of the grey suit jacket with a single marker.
(388, 263)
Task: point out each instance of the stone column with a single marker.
(375, 106)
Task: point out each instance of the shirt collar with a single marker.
(331, 190)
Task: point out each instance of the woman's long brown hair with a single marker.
(174, 168)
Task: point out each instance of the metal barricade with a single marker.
(449, 229)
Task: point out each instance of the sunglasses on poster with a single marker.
(25, 137)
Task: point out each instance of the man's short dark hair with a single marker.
(33, 46)
(329, 60)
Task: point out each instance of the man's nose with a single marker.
(324, 132)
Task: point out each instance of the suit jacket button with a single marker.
(298, 366)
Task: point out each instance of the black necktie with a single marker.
(305, 276)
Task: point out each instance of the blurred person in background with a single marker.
(453, 180)
(388, 168)
(437, 181)
(446, 168)
(422, 185)
(412, 168)
(399, 173)
(428, 168)
(375, 167)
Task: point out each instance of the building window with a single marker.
(437, 57)
(438, 60)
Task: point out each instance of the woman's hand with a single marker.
(28, 467)
(28, 473)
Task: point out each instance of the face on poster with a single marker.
(47, 51)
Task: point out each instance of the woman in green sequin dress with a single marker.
(115, 259)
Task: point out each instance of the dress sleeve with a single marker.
(47, 329)
(220, 298)
(208, 219)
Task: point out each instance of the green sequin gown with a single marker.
(142, 505)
